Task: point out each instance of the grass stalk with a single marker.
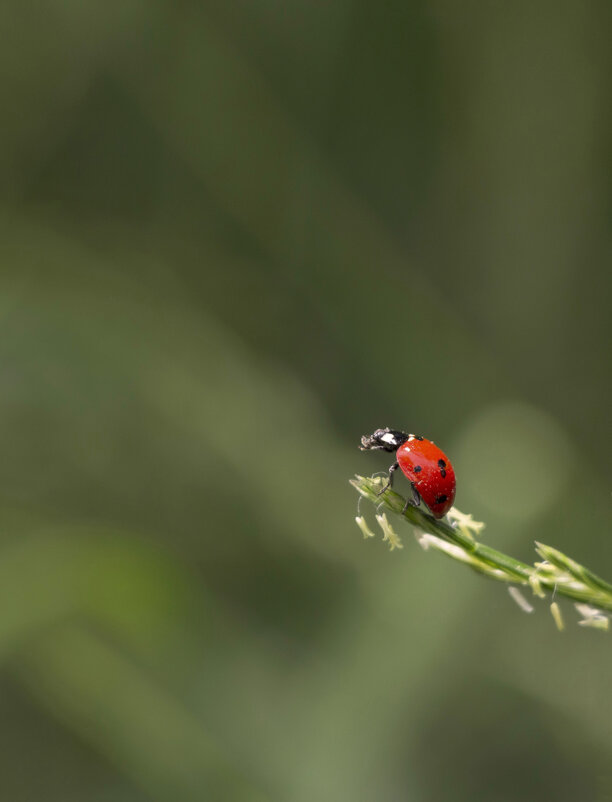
(455, 536)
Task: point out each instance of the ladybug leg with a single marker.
(414, 501)
(392, 469)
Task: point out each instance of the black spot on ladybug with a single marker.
(417, 469)
(418, 437)
(442, 472)
(441, 463)
(441, 499)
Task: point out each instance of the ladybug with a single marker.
(427, 467)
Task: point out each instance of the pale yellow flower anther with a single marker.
(555, 611)
(536, 587)
(362, 524)
(465, 523)
(388, 533)
(592, 617)
(521, 601)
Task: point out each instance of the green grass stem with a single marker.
(455, 536)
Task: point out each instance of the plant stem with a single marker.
(558, 574)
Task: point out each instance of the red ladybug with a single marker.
(427, 467)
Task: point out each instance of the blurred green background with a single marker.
(236, 237)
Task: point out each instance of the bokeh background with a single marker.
(236, 236)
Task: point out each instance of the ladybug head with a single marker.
(383, 440)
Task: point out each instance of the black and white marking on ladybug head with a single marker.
(383, 440)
